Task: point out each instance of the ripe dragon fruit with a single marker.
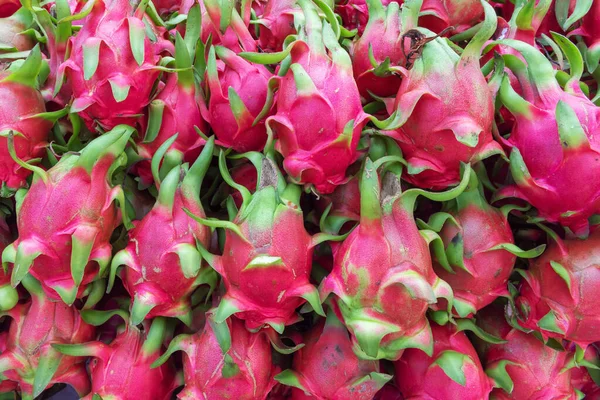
(456, 15)
(29, 358)
(354, 14)
(163, 265)
(227, 26)
(267, 248)
(327, 368)
(12, 36)
(224, 361)
(234, 112)
(589, 29)
(176, 109)
(552, 140)
(478, 253)
(345, 207)
(558, 295)
(319, 82)
(113, 64)
(8, 295)
(9, 7)
(121, 370)
(582, 377)
(276, 23)
(444, 110)
(22, 102)
(382, 277)
(452, 372)
(66, 219)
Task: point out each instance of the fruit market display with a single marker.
(300, 199)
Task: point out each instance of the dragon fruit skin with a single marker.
(354, 14)
(320, 82)
(8, 295)
(382, 276)
(590, 31)
(479, 248)
(558, 295)
(21, 102)
(224, 361)
(276, 23)
(122, 369)
(267, 247)
(327, 368)
(233, 111)
(29, 358)
(553, 145)
(163, 265)
(12, 37)
(9, 7)
(445, 110)
(64, 232)
(459, 15)
(421, 376)
(112, 76)
(581, 377)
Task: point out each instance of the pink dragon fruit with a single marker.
(354, 14)
(176, 109)
(12, 38)
(234, 112)
(558, 295)
(224, 361)
(583, 377)
(444, 110)
(590, 31)
(389, 392)
(456, 15)
(121, 370)
(452, 372)
(29, 358)
(478, 253)
(542, 23)
(228, 27)
(552, 140)
(9, 7)
(267, 247)
(163, 265)
(319, 82)
(113, 64)
(8, 295)
(382, 277)
(66, 219)
(276, 23)
(22, 102)
(345, 207)
(327, 368)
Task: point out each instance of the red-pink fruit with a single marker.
(112, 66)
(228, 27)
(444, 110)
(175, 110)
(67, 217)
(354, 13)
(29, 358)
(478, 252)
(382, 276)
(553, 141)
(163, 264)
(122, 369)
(238, 92)
(589, 29)
(224, 361)
(12, 37)
(243, 174)
(548, 22)
(452, 372)
(267, 255)
(581, 377)
(559, 294)
(327, 368)
(389, 392)
(9, 7)
(458, 15)
(345, 206)
(21, 102)
(319, 84)
(276, 23)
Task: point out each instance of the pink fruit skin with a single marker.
(354, 13)
(11, 35)
(458, 14)
(205, 374)
(420, 377)
(249, 81)
(575, 308)
(36, 325)
(389, 392)
(590, 30)
(276, 24)
(9, 7)
(108, 27)
(245, 175)
(328, 368)
(581, 378)
(19, 102)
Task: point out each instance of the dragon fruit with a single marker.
(29, 358)
(382, 277)
(66, 219)
(319, 82)
(389, 392)
(226, 26)
(345, 206)
(452, 372)
(327, 368)
(176, 109)
(12, 38)
(113, 64)
(19, 115)
(444, 110)
(163, 265)
(558, 295)
(9, 7)
(354, 14)
(582, 378)
(267, 256)
(456, 15)
(552, 140)
(589, 29)
(121, 370)
(8, 294)
(478, 251)
(276, 23)
(237, 109)
(224, 361)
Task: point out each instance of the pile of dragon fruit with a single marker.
(300, 199)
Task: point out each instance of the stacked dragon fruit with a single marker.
(300, 199)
